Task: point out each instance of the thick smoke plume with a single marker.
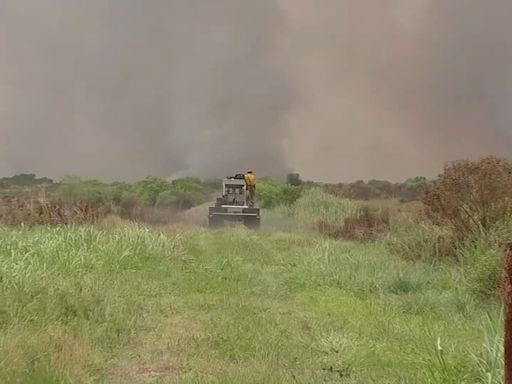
(336, 89)
(391, 89)
(122, 88)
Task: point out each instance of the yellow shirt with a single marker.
(250, 178)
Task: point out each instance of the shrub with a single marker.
(183, 194)
(128, 205)
(121, 191)
(187, 184)
(180, 200)
(150, 188)
(416, 182)
(366, 224)
(30, 210)
(270, 193)
(472, 198)
(73, 189)
(361, 190)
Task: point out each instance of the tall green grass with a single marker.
(317, 205)
(421, 241)
(81, 305)
(314, 206)
(478, 258)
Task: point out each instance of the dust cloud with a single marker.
(334, 89)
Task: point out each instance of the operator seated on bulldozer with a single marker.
(250, 182)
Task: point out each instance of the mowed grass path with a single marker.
(130, 305)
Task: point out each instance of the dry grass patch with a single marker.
(144, 373)
(366, 224)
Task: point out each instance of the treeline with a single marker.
(150, 200)
(26, 198)
(24, 180)
(411, 190)
(185, 193)
(179, 194)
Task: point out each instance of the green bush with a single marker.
(187, 184)
(180, 194)
(150, 188)
(73, 188)
(120, 192)
(183, 194)
(270, 193)
(180, 200)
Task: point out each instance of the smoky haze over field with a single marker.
(124, 88)
(398, 87)
(337, 90)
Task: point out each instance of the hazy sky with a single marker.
(334, 89)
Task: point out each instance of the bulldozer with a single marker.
(233, 206)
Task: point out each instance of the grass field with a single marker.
(132, 305)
